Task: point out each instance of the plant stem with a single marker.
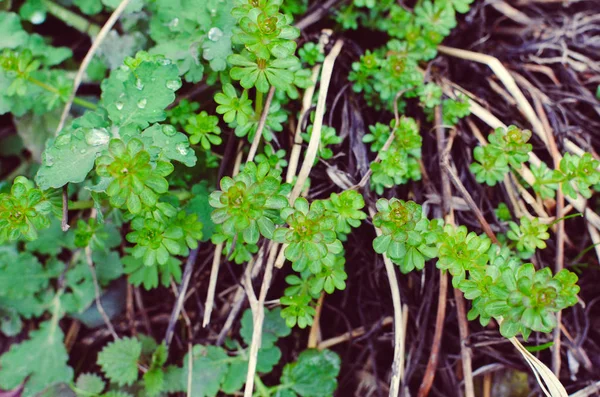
(72, 19)
(81, 205)
(261, 388)
(258, 103)
(54, 90)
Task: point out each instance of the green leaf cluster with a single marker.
(329, 137)
(528, 236)
(28, 81)
(405, 237)
(24, 211)
(576, 174)
(400, 162)
(121, 361)
(248, 204)
(268, 38)
(189, 33)
(521, 298)
(415, 34)
(314, 246)
(508, 147)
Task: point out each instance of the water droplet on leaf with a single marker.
(173, 85)
(213, 12)
(173, 24)
(48, 160)
(214, 34)
(119, 105)
(165, 61)
(182, 149)
(37, 17)
(82, 151)
(97, 137)
(63, 140)
(139, 85)
(169, 130)
(142, 103)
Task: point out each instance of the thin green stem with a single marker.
(72, 19)
(81, 205)
(260, 387)
(54, 90)
(86, 104)
(258, 103)
(277, 388)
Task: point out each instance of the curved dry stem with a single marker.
(315, 138)
(88, 58)
(309, 159)
(261, 126)
(306, 105)
(399, 348)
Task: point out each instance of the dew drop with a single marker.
(139, 85)
(213, 12)
(97, 137)
(173, 24)
(182, 149)
(165, 61)
(168, 130)
(63, 140)
(119, 105)
(173, 85)
(82, 151)
(142, 103)
(37, 18)
(49, 160)
(214, 34)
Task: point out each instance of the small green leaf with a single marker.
(313, 374)
(71, 155)
(209, 368)
(236, 377)
(40, 361)
(140, 96)
(153, 382)
(164, 142)
(88, 384)
(274, 327)
(119, 360)
(381, 243)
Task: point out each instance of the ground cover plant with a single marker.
(298, 198)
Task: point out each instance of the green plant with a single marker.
(132, 181)
(249, 202)
(204, 129)
(507, 147)
(311, 239)
(136, 166)
(23, 211)
(214, 369)
(405, 237)
(503, 212)
(328, 137)
(400, 162)
(577, 174)
(521, 298)
(311, 54)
